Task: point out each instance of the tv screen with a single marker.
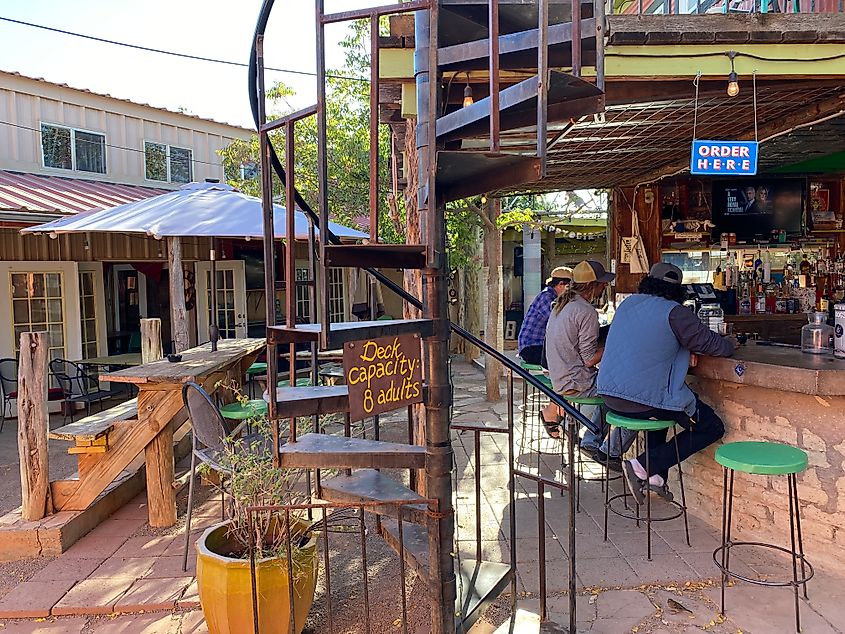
(752, 207)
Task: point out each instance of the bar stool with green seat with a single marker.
(763, 458)
(578, 402)
(259, 367)
(244, 411)
(536, 370)
(644, 425)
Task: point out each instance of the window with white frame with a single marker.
(88, 314)
(38, 305)
(337, 295)
(167, 163)
(71, 149)
(303, 296)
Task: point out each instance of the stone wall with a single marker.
(813, 423)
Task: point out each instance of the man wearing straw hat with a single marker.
(532, 335)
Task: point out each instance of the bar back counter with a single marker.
(783, 395)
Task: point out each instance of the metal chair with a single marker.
(211, 433)
(8, 386)
(76, 386)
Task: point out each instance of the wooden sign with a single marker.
(382, 374)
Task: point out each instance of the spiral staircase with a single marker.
(541, 46)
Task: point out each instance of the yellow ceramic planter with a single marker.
(225, 593)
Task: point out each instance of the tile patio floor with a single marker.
(124, 577)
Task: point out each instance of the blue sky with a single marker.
(211, 28)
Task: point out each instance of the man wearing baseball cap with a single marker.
(572, 347)
(532, 335)
(643, 374)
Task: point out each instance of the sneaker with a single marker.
(614, 464)
(635, 485)
(662, 490)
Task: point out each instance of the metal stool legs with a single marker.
(796, 550)
(682, 506)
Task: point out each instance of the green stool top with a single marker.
(259, 367)
(238, 411)
(585, 400)
(764, 458)
(638, 424)
(302, 382)
(544, 380)
(531, 367)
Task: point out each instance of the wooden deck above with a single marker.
(730, 28)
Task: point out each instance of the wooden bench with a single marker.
(91, 434)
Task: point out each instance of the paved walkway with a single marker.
(125, 577)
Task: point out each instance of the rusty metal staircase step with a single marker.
(341, 332)
(324, 451)
(479, 583)
(462, 21)
(387, 256)
(569, 97)
(310, 400)
(415, 539)
(369, 485)
(464, 173)
(519, 50)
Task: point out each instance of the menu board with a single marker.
(382, 374)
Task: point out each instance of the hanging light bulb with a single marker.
(733, 83)
(468, 100)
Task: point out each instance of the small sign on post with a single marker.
(724, 158)
(382, 374)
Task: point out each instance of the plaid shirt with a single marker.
(533, 331)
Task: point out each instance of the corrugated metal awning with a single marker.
(40, 193)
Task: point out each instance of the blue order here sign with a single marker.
(724, 158)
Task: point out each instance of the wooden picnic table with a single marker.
(127, 359)
(159, 401)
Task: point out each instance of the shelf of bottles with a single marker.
(762, 280)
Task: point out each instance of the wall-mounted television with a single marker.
(752, 207)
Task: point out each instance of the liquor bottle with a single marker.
(719, 279)
(771, 298)
(780, 301)
(730, 273)
(760, 300)
(767, 268)
(804, 267)
(758, 266)
(745, 301)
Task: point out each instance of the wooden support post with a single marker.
(493, 327)
(151, 340)
(33, 426)
(158, 455)
(178, 312)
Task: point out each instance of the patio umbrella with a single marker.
(212, 210)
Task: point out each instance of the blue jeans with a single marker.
(596, 430)
(596, 436)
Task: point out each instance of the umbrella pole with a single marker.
(213, 328)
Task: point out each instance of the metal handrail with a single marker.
(330, 237)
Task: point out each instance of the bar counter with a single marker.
(782, 395)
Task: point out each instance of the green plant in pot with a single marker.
(223, 552)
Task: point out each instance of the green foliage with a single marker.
(462, 235)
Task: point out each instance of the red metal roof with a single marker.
(40, 193)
